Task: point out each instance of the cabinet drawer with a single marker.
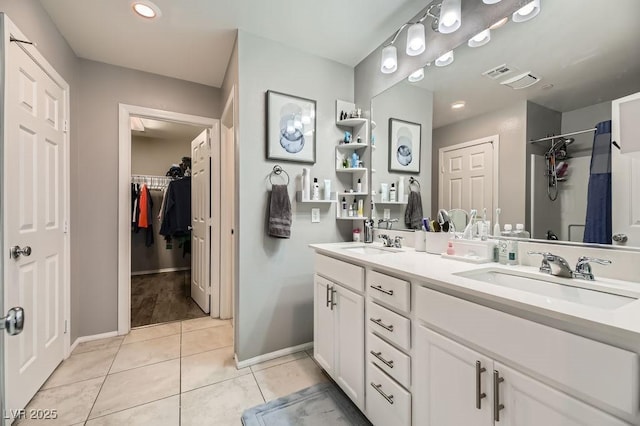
(592, 370)
(390, 290)
(387, 402)
(389, 325)
(349, 275)
(389, 359)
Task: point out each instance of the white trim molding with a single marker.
(272, 355)
(91, 338)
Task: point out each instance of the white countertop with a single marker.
(619, 326)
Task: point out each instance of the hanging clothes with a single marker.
(176, 217)
(142, 207)
(598, 223)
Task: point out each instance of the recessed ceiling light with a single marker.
(416, 76)
(146, 9)
(458, 105)
(499, 23)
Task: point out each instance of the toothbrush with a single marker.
(496, 227)
(467, 231)
(484, 230)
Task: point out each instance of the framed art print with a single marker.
(291, 128)
(404, 146)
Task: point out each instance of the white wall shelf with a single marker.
(391, 202)
(352, 122)
(333, 199)
(351, 146)
(352, 194)
(352, 218)
(351, 169)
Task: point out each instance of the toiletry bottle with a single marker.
(327, 189)
(384, 192)
(344, 207)
(503, 245)
(401, 189)
(358, 139)
(354, 160)
(360, 208)
(350, 210)
(520, 232)
(316, 189)
(359, 186)
(512, 252)
(356, 235)
(450, 250)
(392, 193)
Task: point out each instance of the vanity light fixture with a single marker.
(146, 9)
(389, 63)
(450, 16)
(458, 105)
(499, 23)
(415, 39)
(480, 39)
(416, 76)
(490, 1)
(527, 12)
(445, 59)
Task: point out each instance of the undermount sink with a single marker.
(371, 250)
(551, 287)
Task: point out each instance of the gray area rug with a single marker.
(319, 405)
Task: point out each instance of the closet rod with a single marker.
(548, 138)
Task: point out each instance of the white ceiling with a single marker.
(588, 50)
(193, 40)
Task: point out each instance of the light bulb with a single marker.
(415, 39)
(146, 9)
(445, 59)
(389, 62)
(527, 12)
(480, 39)
(490, 1)
(416, 76)
(450, 16)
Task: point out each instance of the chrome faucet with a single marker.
(554, 264)
(386, 240)
(583, 267)
(389, 222)
(397, 242)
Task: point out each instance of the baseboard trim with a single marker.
(272, 355)
(160, 271)
(83, 339)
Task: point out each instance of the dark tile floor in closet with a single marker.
(164, 297)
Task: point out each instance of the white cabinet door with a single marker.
(528, 402)
(447, 383)
(323, 324)
(349, 333)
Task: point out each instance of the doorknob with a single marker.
(16, 251)
(620, 238)
(13, 323)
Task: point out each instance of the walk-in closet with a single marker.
(161, 228)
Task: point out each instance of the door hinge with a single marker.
(65, 126)
(66, 326)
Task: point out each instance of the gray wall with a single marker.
(410, 103)
(510, 124)
(102, 87)
(581, 119)
(275, 291)
(153, 156)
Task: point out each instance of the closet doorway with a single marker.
(168, 243)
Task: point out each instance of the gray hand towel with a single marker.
(279, 212)
(413, 213)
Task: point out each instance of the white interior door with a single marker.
(467, 177)
(227, 212)
(35, 213)
(200, 220)
(625, 169)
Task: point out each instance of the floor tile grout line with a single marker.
(218, 382)
(133, 406)
(102, 384)
(259, 388)
(142, 366)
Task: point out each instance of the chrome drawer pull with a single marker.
(328, 290)
(379, 356)
(479, 394)
(379, 288)
(496, 395)
(379, 322)
(389, 398)
(333, 297)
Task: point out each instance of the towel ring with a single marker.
(414, 181)
(277, 170)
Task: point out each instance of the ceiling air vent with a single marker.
(521, 81)
(498, 72)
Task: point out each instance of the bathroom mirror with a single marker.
(577, 58)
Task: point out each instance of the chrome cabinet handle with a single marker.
(328, 290)
(479, 394)
(379, 356)
(333, 294)
(381, 324)
(16, 251)
(379, 288)
(496, 395)
(389, 398)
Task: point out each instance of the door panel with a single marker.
(34, 167)
(201, 212)
(349, 327)
(323, 324)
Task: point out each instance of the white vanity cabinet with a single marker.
(339, 327)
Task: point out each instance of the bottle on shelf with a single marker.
(520, 232)
(354, 160)
(315, 192)
(392, 193)
(359, 186)
(344, 207)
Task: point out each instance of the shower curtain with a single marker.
(598, 221)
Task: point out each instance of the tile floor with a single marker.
(160, 298)
(179, 373)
